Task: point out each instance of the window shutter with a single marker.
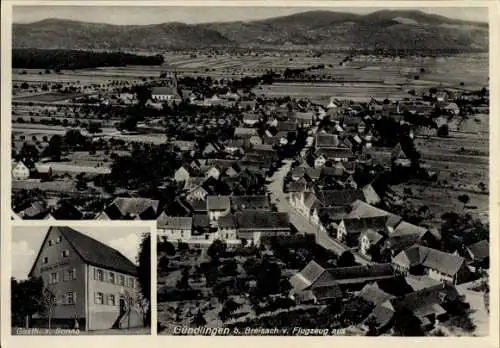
(95, 297)
(74, 273)
(74, 297)
(95, 273)
(57, 277)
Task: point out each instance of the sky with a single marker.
(26, 242)
(191, 15)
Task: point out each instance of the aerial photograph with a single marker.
(311, 171)
(81, 280)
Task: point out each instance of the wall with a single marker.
(103, 316)
(59, 264)
(227, 234)
(174, 234)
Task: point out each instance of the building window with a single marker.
(70, 275)
(130, 282)
(70, 298)
(122, 280)
(45, 260)
(58, 240)
(50, 242)
(53, 278)
(111, 300)
(99, 275)
(99, 298)
(65, 253)
(111, 277)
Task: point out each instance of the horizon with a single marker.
(151, 15)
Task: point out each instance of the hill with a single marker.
(386, 29)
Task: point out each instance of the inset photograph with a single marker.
(81, 280)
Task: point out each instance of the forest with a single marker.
(33, 58)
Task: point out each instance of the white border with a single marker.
(219, 342)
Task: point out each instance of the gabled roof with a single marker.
(438, 260)
(376, 271)
(164, 91)
(359, 225)
(373, 294)
(254, 202)
(307, 276)
(127, 206)
(405, 228)
(335, 152)
(338, 197)
(227, 221)
(174, 222)
(480, 250)
(255, 219)
(218, 203)
(94, 252)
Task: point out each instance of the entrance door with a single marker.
(123, 306)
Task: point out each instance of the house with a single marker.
(198, 193)
(314, 283)
(287, 126)
(20, 171)
(211, 172)
(184, 145)
(479, 253)
(167, 93)
(211, 149)
(350, 231)
(250, 119)
(64, 210)
(217, 206)
(43, 172)
(227, 228)
(181, 175)
(38, 210)
(305, 119)
(436, 264)
(236, 146)
(426, 305)
(326, 141)
(125, 208)
(338, 154)
(94, 283)
(255, 140)
(373, 294)
(254, 225)
(332, 108)
(244, 133)
(331, 283)
(254, 202)
(174, 227)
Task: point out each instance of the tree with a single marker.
(464, 199)
(199, 320)
(25, 85)
(144, 273)
(217, 250)
(94, 127)
(163, 263)
(54, 148)
(346, 259)
(183, 283)
(443, 131)
(26, 299)
(129, 124)
(49, 300)
(74, 139)
(29, 155)
(166, 247)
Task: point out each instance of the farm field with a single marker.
(323, 92)
(47, 97)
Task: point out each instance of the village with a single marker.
(272, 210)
